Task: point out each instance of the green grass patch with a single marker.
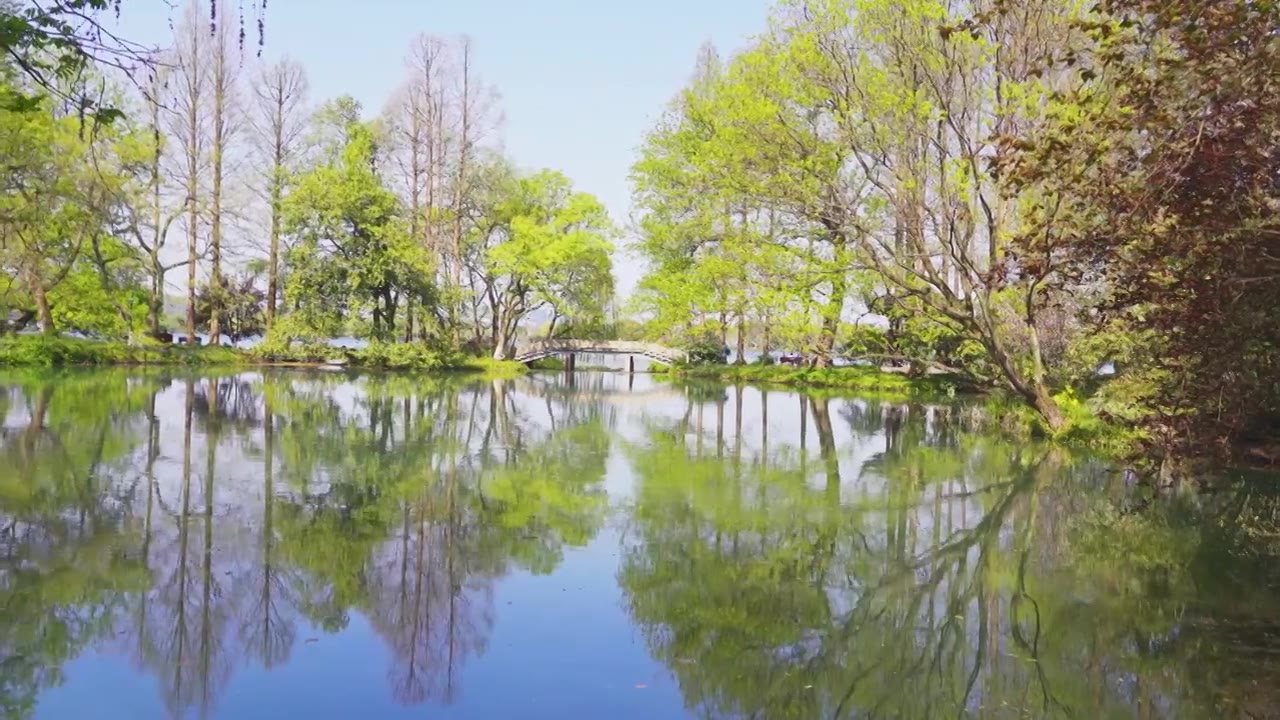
(490, 367)
(849, 379)
(555, 363)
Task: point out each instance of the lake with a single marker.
(319, 544)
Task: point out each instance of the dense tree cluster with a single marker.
(292, 221)
(1023, 193)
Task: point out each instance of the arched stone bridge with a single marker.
(538, 349)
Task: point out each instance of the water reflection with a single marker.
(195, 523)
(936, 575)
(781, 555)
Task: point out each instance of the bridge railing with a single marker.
(619, 347)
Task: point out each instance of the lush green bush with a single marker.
(280, 350)
(418, 356)
(548, 363)
(705, 351)
(381, 356)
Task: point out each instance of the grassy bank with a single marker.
(555, 363)
(42, 351)
(1084, 427)
(851, 379)
(49, 352)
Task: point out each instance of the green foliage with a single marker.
(850, 379)
(81, 303)
(839, 157)
(53, 351)
(66, 179)
(417, 356)
(376, 355)
(1154, 179)
(240, 304)
(705, 351)
(543, 245)
(353, 253)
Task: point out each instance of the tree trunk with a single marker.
(500, 342)
(742, 340)
(1033, 390)
(273, 257)
(1048, 408)
(44, 315)
(193, 88)
(389, 316)
(156, 305)
(464, 151)
(219, 146)
(155, 308)
(831, 314)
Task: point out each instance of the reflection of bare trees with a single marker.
(432, 601)
(179, 625)
(268, 627)
(234, 401)
(382, 512)
(401, 499)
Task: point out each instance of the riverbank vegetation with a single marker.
(45, 351)
(853, 379)
(40, 351)
(274, 217)
(1021, 194)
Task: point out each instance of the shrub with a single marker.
(705, 352)
(418, 356)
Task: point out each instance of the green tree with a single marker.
(353, 254)
(543, 246)
(58, 211)
(1155, 193)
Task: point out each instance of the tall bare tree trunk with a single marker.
(460, 189)
(192, 79)
(223, 91)
(280, 92)
(155, 304)
(276, 197)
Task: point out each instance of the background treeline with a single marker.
(215, 175)
(1020, 192)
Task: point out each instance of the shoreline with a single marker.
(855, 378)
(40, 352)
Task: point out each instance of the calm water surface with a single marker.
(320, 545)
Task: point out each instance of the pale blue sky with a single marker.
(581, 81)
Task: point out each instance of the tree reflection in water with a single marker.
(783, 555)
(939, 574)
(197, 524)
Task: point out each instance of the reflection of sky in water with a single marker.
(692, 589)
